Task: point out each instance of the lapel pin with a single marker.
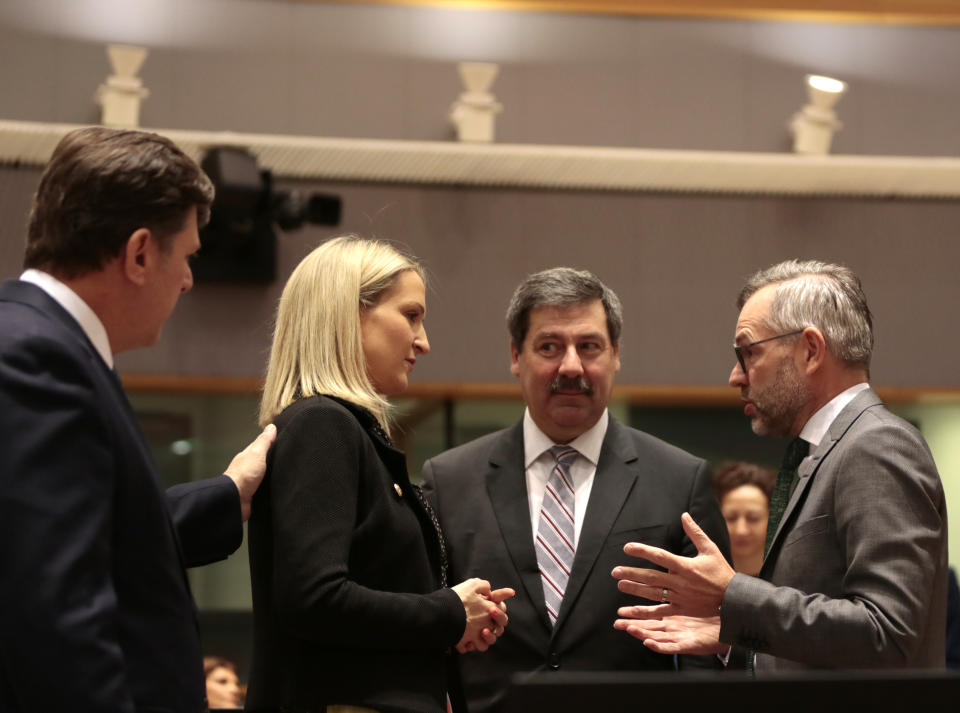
(396, 487)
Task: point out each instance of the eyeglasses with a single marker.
(739, 349)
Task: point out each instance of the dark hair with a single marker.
(733, 474)
(560, 287)
(211, 663)
(100, 186)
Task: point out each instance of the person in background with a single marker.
(351, 604)
(743, 490)
(223, 684)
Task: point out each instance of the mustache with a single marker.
(565, 383)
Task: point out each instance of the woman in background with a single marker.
(223, 684)
(350, 600)
(743, 490)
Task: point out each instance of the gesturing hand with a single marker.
(486, 611)
(673, 634)
(691, 586)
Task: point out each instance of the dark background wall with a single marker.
(378, 71)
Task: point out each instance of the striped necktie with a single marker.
(555, 531)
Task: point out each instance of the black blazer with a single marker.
(346, 568)
(95, 609)
(641, 487)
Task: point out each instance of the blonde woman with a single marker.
(350, 600)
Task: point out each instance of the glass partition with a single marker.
(194, 436)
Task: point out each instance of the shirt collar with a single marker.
(588, 443)
(78, 309)
(817, 426)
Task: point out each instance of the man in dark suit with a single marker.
(855, 571)
(95, 609)
(552, 527)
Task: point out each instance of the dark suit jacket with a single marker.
(346, 568)
(953, 621)
(642, 486)
(856, 576)
(95, 609)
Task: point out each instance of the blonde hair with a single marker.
(317, 343)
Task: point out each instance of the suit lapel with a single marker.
(507, 489)
(809, 467)
(615, 478)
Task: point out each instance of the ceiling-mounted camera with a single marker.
(239, 243)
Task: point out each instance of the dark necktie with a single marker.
(555, 531)
(797, 450)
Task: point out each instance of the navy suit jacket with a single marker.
(95, 609)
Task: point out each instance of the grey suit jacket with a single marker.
(856, 575)
(641, 487)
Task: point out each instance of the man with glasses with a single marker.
(547, 505)
(855, 569)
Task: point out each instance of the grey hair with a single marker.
(560, 287)
(817, 294)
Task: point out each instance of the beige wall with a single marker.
(384, 71)
(677, 261)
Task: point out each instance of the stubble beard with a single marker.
(778, 405)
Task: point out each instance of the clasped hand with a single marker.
(486, 611)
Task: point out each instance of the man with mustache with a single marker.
(551, 522)
(855, 569)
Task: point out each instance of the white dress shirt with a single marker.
(538, 464)
(72, 302)
(817, 426)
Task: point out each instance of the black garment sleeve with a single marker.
(320, 471)
(207, 518)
